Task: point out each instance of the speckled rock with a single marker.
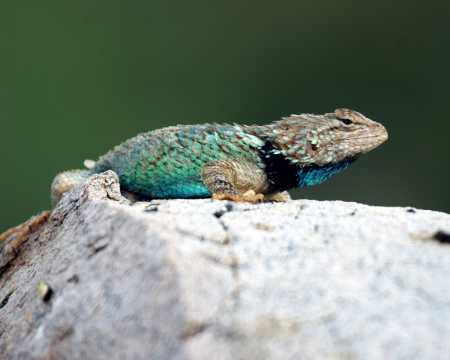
(203, 279)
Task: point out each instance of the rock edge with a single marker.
(202, 279)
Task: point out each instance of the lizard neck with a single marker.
(282, 174)
(315, 174)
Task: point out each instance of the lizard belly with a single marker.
(173, 189)
(177, 184)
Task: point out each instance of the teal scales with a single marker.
(167, 163)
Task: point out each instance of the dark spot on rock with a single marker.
(442, 237)
(316, 228)
(151, 208)
(75, 279)
(229, 207)
(219, 213)
(411, 210)
(98, 248)
(353, 213)
(264, 227)
(63, 333)
(193, 328)
(97, 245)
(5, 299)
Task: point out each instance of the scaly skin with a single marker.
(168, 163)
(235, 162)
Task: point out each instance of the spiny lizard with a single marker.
(236, 162)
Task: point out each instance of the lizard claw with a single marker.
(249, 196)
(278, 197)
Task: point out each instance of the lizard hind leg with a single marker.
(235, 180)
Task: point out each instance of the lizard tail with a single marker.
(66, 181)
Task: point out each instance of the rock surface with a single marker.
(202, 279)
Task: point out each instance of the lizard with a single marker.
(250, 163)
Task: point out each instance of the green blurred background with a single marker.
(77, 77)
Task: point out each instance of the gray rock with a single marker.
(203, 279)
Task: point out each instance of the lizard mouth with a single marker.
(369, 140)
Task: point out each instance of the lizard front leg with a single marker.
(282, 196)
(236, 180)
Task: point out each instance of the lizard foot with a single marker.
(12, 239)
(278, 197)
(249, 196)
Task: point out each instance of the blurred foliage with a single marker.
(79, 77)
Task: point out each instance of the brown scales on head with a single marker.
(323, 139)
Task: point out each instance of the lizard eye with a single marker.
(345, 121)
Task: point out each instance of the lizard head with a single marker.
(327, 139)
(356, 133)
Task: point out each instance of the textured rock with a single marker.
(202, 279)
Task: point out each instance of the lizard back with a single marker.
(168, 162)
